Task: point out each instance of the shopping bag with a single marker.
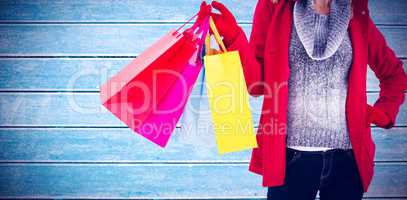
(191, 114)
(171, 106)
(190, 118)
(136, 94)
(228, 98)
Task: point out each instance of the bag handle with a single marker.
(194, 26)
(217, 38)
(203, 30)
(201, 33)
(189, 20)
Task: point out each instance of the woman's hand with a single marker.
(204, 11)
(225, 22)
(376, 116)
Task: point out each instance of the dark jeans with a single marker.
(334, 173)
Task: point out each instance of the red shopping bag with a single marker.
(145, 95)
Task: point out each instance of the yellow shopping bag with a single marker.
(228, 98)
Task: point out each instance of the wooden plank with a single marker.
(159, 181)
(72, 109)
(116, 11)
(85, 109)
(385, 12)
(58, 74)
(386, 176)
(111, 39)
(123, 146)
(54, 109)
(75, 74)
(108, 145)
(389, 144)
(381, 11)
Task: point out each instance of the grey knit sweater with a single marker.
(320, 56)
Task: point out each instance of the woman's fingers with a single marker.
(216, 17)
(204, 10)
(225, 22)
(208, 9)
(222, 8)
(203, 5)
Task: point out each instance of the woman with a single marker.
(309, 58)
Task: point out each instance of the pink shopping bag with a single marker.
(149, 94)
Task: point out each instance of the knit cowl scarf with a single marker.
(304, 21)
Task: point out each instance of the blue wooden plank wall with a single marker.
(57, 141)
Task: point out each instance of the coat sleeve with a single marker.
(390, 72)
(252, 52)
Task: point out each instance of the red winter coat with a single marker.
(266, 68)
